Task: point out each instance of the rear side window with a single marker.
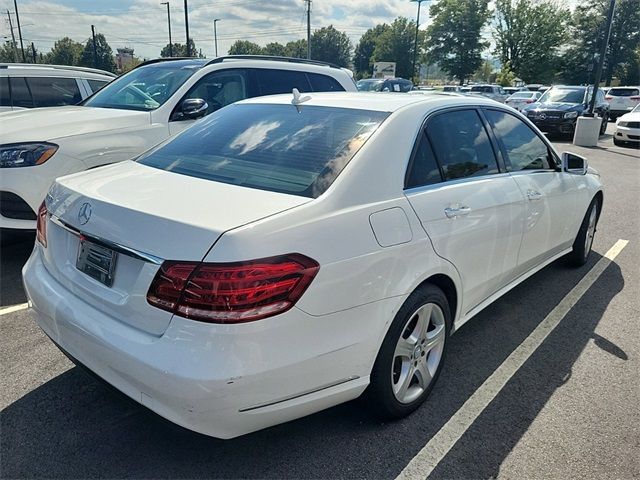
(524, 150)
(281, 148)
(96, 84)
(624, 92)
(272, 82)
(20, 94)
(5, 98)
(53, 91)
(461, 145)
(323, 83)
(424, 168)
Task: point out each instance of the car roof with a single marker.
(43, 68)
(377, 101)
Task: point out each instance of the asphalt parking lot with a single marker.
(570, 411)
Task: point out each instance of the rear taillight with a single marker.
(529, 101)
(608, 97)
(41, 224)
(232, 292)
(635, 97)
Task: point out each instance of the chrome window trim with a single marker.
(116, 247)
(449, 183)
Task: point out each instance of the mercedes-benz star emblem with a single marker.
(542, 116)
(84, 214)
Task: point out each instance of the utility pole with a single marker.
(308, 29)
(603, 53)
(415, 42)
(169, 22)
(95, 50)
(215, 35)
(15, 4)
(33, 52)
(186, 26)
(13, 37)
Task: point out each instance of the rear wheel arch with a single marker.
(448, 287)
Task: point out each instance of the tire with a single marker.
(617, 142)
(410, 356)
(584, 240)
(603, 126)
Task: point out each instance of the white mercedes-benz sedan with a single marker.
(290, 253)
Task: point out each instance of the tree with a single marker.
(363, 54)
(395, 44)
(506, 76)
(587, 33)
(453, 39)
(528, 36)
(484, 73)
(9, 53)
(331, 45)
(276, 49)
(296, 49)
(66, 52)
(180, 49)
(104, 57)
(245, 47)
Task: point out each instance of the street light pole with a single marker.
(169, 22)
(603, 52)
(186, 26)
(215, 35)
(415, 42)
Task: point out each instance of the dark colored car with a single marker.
(559, 108)
(384, 85)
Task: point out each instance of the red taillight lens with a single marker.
(635, 97)
(608, 97)
(41, 225)
(528, 101)
(232, 292)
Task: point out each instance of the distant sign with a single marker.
(384, 69)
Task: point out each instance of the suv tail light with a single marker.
(608, 97)
(41, 224)
(635, 97)
(232, 292)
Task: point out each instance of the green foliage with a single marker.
(276, 49)
(65, 52)
(245, 47)
(453, 39)
(180, 49)
(506, 77)
(104, 59)
(528, 36)
(8, 54)
(296, 49)
(484, 73)
(586, 33)
(330, 45)
(362, 57)
(395, 44)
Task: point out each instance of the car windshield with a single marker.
(370, 85)
(281, 148)
(482, 88)
(144, 88)
(563, 95)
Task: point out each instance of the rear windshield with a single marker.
(281, 148)
(624, 92)
(482, 88)
(523, 95)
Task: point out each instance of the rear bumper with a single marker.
(220, 380)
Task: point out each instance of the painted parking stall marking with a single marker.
(13, 308)
(442, 442)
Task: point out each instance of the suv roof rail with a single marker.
(274, 59)
(166, 59)
(58, 67)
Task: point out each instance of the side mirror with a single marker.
(192, 108)
(572, 163)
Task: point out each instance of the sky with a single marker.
(142, 24)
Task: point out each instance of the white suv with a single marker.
(132, 114)
(28, 86)
(622, 100)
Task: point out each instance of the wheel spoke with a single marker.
(423, 375)
(404, 381)
(422, 325)
(404, 348)
(434, 338)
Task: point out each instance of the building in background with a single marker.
(124, 59)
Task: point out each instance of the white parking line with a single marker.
(13, 308)
(434, 451)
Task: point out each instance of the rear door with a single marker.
(550, 193)
(471, 210)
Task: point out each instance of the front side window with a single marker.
(144, 88)
(281, 148)
(461, 145)
(54, 91)
(221, 88)
(524, 150)
(20, 94)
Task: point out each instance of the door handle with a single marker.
(532, 195)
(453, 212)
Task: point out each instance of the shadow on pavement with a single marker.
(15, 248)
(74, 427)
